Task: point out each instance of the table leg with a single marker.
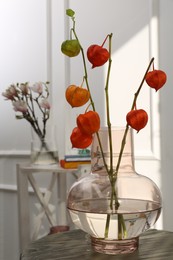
(62, 195)
(40, 197)
(23, 208)
(47, 197)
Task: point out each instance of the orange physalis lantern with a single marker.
(89, 123)
(79, 139)
(137, 119)
(77, 96)
(97, 55)
(156, 79)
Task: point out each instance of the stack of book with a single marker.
(74, 160)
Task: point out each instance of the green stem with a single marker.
(108, 108)
(121, 227)
(111, 170)
(88, 87)
(127, 126)
(121, 224)
(85, 69)
(122, 233)
(107, 226)
(142, 82)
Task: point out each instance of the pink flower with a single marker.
(20, 106)
(10, 92)
(37, 87)
(45, 103)
(24, 88)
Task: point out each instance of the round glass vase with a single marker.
(44, 151)
(114, 211)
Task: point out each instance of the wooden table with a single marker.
(153, 245)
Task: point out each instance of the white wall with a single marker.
(166, 108)
(24, 57)
(30, 40)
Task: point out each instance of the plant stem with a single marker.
(85, 69)
(121, 225)
(108, 108)
(127, 126)
(111, 170)
(105, 40)
(142, 82)
(88, 87)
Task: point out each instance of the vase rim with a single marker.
(114, 128)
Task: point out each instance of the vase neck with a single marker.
(99, 164)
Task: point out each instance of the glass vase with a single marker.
(114, 212)
(44, 151)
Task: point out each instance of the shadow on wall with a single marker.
(125, 24)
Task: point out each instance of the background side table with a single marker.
(25, 175)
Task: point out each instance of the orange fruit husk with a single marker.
(89, 123)
(77, 96)
(80, 140)
(97, 55)
(156, 79)
(137, 119)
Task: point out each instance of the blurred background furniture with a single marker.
(26, 175)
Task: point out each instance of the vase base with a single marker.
(44, 158)
(114, 247)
